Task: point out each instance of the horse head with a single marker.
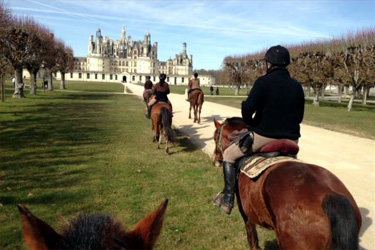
(92, 232)
(222, 137)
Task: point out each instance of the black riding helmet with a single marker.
(278, 55)
(162, 76)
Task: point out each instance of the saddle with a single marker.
(273, 152)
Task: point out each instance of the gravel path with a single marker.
(350, 158)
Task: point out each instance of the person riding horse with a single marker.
(194, 84)
(148, 84)
(160, 90)
(277, 100)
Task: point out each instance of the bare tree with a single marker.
(64, 61)
(5, 24)
(236, 71)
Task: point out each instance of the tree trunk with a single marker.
(50, 81)
(316, 98)
(339, 93)
(18, 89)
(237, 90)
(350, 105)
(33, 82)
(2, 86)
(308, 91)
(62, 83)
(366, 90)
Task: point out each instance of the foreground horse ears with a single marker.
(149, 228)
(40, 236)
(217, 124)
(36, 233)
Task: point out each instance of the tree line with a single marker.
(343, 62)
(25, 44)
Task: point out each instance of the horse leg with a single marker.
(166, 146)
(190, 111)
(252, 235)
(199, 113)
(195, 113)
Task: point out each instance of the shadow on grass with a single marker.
(42, 140)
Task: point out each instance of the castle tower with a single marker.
(91, 44)
(184, 48)
(98, 42)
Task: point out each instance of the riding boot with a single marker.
(226, 202)
(148, 115)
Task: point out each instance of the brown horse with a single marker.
(146, 97)
(196, 99)
(92, 232)
(161, 117)
(306, 205)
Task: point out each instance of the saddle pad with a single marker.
(258, 164)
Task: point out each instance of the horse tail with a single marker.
(344, 225)
(166, 120)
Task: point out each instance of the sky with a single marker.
(212, 29)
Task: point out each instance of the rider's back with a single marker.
(278, 101)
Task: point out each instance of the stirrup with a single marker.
(215, 199)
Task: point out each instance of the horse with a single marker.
(96, 231)
(306, 205)
(146, 97)
(196, 99)
(161, 117)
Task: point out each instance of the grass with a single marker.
(180, 89)
(64, 153)
(330, 115)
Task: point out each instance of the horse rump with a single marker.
(166, 121)
(344, 224)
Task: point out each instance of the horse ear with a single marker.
(149, 228)
(217, 124)
(36, 233)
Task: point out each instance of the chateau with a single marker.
(131, 61)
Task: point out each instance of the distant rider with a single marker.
(160, 90)
(194, 84)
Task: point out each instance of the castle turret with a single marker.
(91, 44)
(184, 48)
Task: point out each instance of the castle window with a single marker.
(71, 75)
(127, 64)
(140, 78)
(96, 76)
(110, 77)
(79, 75)
(167, 78)
(182, 80)
(103, 76)
(115, 77)
(88, 75)
(133, 78)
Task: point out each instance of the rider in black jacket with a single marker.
(274, 109)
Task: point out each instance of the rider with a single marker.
(277, 100)
(160, 90)
(148, 83)
(194, 84)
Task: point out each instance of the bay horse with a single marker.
(161, 117)
(306, 205)
(196, 99)
(92, 232)
(146, 97)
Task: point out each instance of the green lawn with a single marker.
(65, 153)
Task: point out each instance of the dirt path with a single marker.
(350, 158)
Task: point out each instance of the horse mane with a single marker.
(235, 122)
(96, 231)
